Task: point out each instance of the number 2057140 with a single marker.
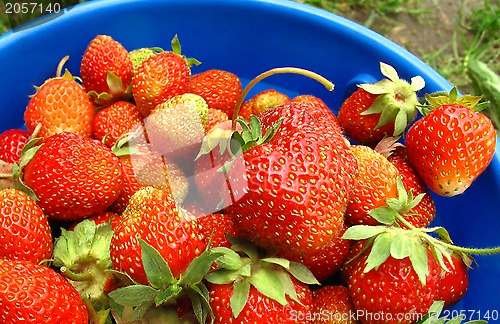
(31, 8)
(470, 315)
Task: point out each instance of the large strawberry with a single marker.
(25, 233)
(153, 215)
(73, 177)
(161, 77)
(32, 293)
(106, 70)
(299, 180)
(383, 108)
(220, 89)
(452, 144)
(60, 105)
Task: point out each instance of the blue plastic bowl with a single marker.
(248, 37)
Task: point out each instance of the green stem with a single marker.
(328, 84)
(5, 176)
(452, 247)
(85, 276)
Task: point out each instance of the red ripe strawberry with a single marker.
(100, 218)
(12, 142)
(332, 305)
(375, 182)
(310, 100)
(264, 100)
(453, 283)
(215, 227)
(106, 69)
(391, 289)
(220, 89)
(152, 214)
(25, 233)
(326, 261)
(380, 109)
(73, 177)
(259, 308)
(32, 293)
(423, 213)
(115, 120)
(299, 181)
(158, 79)
(215, 117)
(60, 105)
(452, 144)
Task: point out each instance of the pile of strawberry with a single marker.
(140, 192)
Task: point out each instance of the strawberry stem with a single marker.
(61, 65)
(328, 84)
(85, 276)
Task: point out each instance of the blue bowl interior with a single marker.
(248, 37)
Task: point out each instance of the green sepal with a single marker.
(156, 268)
(302, 273)
(176, 48)
(168, 295)
(380, 251)
(200, 301)
(134, 295)
(362, 232)
(230, 260)
(200, 266)
(440, 98)
(239, 297)
(268, 283)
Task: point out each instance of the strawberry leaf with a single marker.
(241, 290)
(230, 260)
(268, 283)
(278, 261)
(362, 232)
(168, 295)
(389, 72)
(384, 215)
(134, 295)
(288, 285)
(380, 251)
(302, 273)
(200, 300)
(200, 266)
(223, 276)
(402, 246)
(419, 261)
(157, 270)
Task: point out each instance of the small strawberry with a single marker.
(175, 128)
(114, 121)
(375, 182)
(32, 293)
(452, 144)
(25, 233)
(332, 305)
(264, 100)
(215, 117)
(161, 77)
(153, 215)
(215, 227)
(380, 109)
(73, 177)
(220, 89)
(106, 70)
(12, 142)
(60, 105)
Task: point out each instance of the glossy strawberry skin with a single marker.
(453, 284)
(450, 147)
(12, 142)
(115, 120)
(259, 308)
(375, 182)
(32, 293)
(25, 233)
(393, 288)
(214, 228)
(74, 177)
(422, 214)
(361, 128)
(333, 305)
(298, 183)
(153, 215)
(103, 55)
(221, 89)
(158, 79)
(60, 105)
